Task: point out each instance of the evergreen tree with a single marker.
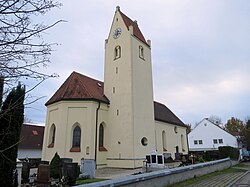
(11, 120)
(1, 90)
(55, 166)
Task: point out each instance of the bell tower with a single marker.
(128, 85)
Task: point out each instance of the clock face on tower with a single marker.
(117, 32)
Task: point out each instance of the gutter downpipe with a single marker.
(96, 127)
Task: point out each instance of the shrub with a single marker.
(227, 151)
(55, 166)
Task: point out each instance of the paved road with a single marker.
(235, 179)
(219, 181)
(243, 181)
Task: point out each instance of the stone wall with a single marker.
(166, 176)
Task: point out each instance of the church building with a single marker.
(115, 122)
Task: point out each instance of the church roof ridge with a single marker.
(129, 22)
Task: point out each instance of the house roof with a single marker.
(31, 137)
(164, 114)
(79, 87)
(236, 134)
(136, 31)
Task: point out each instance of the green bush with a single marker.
(227, 151)
(55, 166)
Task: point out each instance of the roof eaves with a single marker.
(171, 122)
(80, 99)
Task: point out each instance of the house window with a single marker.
(195, 142)
(215, 141)
(117, 112)
(164, 141)
(141, 52)
(116, 70)
(220, 140)
(200, 142)
(52, 136)
(113, 89)
(117, 52)
(76, 141)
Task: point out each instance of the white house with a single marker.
(115, 122)
(208, 136)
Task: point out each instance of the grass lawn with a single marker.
(242, 165)
(204, 177)
(86, 181)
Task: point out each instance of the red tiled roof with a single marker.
(164, 114)
(31, 137)
(79, 87)
(136, 31)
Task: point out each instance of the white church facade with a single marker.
(115, 122)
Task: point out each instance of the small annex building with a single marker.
(31, 142)
(207, 136)
(115, 122)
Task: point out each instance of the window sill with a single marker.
(141, 57)
(51, 145)
(102, 149)
(75, 149)
(116, 58)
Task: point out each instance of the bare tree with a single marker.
(215, 119)
(22, 49)
(22, 54)
(189, 128)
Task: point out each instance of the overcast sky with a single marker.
(200, 52)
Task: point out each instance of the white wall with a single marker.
(29, 153)
(207, 132)
(173, 138)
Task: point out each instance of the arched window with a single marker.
(76, 137)
(52, 135)
(117, 52)
(164, 141)
(182, 143)
(101, 135)
(101, 138)
(141, 52)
